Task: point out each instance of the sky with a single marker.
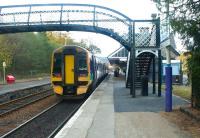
(134, 9)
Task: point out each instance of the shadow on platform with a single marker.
(123, 101)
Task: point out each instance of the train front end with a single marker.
(70, 72)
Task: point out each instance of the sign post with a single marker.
(4, 72)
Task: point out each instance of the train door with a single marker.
(69, 69)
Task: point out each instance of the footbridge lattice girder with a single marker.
(66, 17)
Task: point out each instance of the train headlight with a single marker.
(58, 90)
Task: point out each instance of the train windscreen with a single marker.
(57, 65)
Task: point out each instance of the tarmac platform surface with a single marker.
(22, 85)
(111, 112)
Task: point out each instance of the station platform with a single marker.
(22, 85)
(111, 112)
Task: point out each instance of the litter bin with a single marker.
(144, 80)
(10, 79)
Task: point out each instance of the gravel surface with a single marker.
(20, 116)
(23, 102)
(19, 92)
(45, 124)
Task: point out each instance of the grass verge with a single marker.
(180, 90)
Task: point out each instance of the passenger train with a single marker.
(75, 71)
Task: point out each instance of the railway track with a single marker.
(48, 122)
(18, 103)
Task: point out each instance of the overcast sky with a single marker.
(135, 9)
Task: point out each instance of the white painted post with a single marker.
(4, 72)
(168, 58)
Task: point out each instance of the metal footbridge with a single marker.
(140, 37)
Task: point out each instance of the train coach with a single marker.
(75, 71)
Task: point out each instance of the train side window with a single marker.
(57, 64)
(97, 66)
(82, 63)
(91, 65)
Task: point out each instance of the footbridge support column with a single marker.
(132, 89)
(132, 61)
(159, 73)
(154, 75)
(159, 57)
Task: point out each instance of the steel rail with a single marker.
(14, 105)
(53, 134)
(58, 127)
(64, 122)
(30, 120)
(18, 99)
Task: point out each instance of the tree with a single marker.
(82, 44)
(26, 52)
(5, 53)
(60, 38)
(184, 18)
(94, 49)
